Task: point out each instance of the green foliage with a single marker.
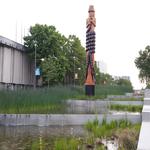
(126, 133)
(62, 56)
(105, 129)
(49, 100)
(125, 83)
(142, 62)
(66, 144)
(130, 108)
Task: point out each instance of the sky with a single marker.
(122, 27)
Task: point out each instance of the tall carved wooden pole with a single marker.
(90, 50)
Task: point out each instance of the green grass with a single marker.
(49, 100)
(111, 90)
(127, 99)
(105, 129)
(124, 130)
(130, 108)
(66, 144)
(36, 101)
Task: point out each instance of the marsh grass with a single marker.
(106, 129)
(49, 100)
(127, 99)
(129, 108)
(66, 144)
(126, 132)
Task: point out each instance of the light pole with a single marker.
(79, 79)
(74, 71)
(35, 46)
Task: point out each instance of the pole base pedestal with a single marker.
(90, 90)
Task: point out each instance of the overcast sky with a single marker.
(123, 27)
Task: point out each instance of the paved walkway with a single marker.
(144, 138)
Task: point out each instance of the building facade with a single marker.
(16, 69)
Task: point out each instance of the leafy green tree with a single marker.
(48, 40)
(106, 79)
(142, 62)
(54, 69)
(125, 83)
(58, 52)
(75, 53)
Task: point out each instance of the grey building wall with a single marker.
(15, 66)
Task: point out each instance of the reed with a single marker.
(130, 108)
(48, 100)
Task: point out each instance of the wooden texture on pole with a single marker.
(90, 50)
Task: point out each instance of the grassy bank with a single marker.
(124, 131)
(49, 100)
(130, 108)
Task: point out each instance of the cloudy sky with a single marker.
(123, 27)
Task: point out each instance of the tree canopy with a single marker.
(62, 56)
(142, 62)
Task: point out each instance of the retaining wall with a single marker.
(62, 119)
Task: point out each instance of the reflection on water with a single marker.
(30, 137)
(41, 138)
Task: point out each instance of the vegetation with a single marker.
(143, 64)
(127, 99)
(49, 100)
(130, 108)
(63, 57)
(123, 130)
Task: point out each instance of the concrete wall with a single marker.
(15, 66)
(97, 106)
(144, 137)
(62, 119)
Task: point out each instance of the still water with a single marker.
(33, 137)
(25, 137)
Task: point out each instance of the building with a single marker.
(102, 66)
(121, 77)
(16, 69)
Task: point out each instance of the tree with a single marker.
(49, 41)
(58, 53)
(142, 62)
(54, 69)
(76, 56)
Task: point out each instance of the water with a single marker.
(25, 137)
(33, 137)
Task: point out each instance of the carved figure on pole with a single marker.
(90, 50)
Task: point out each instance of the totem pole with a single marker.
(90, 50)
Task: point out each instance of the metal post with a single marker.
(74, 73)
(35, 65)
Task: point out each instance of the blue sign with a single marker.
(37, 72)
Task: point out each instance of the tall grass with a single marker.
(126, 133)
(111, 90)
(36, 101)
(130, 108)
(101, 91)
(105, 129)
(48, 100)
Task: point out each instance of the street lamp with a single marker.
(74, 71)
(35, 46)
(42, 59)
